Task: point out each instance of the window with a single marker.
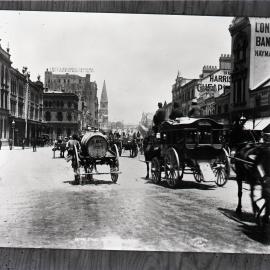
(69, 117)
(45, 103)
(48, 116)
(226, 108)
(60, 116)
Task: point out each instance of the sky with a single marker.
(138, 56)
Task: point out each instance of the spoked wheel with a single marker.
(221, 168)
(260, 206)
(197, 174)
(173, 170)
(76, 166)
(115, 166)
(155, 170)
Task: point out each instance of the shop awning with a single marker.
(259, 124)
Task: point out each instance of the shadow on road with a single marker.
(183, 185)
(91, 182)
(251, 230)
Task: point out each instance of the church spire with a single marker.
(104, 97)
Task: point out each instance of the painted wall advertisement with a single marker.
(213, 85)
(259, 51)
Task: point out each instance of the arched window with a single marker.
(60, 116)
(48, 116)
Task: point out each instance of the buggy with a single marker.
(189, 145)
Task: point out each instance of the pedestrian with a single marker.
(72, 142)
(195, 110)
(159, 117)
(176, 112)
(34, 144)
(0, 143)
(10, 142)
(23, 143)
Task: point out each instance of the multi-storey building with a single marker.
(83, 88)
(177, 88)
(250, 91)
(61, 113)
(5, 64)
(213, 84)
(26, 106)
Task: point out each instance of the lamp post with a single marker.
(13, 127)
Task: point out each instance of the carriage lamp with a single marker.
(158, 135)
(242, 119)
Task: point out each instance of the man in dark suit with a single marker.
(159, 117)
(195, 110)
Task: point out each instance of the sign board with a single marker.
(259, 51)
(213, 85)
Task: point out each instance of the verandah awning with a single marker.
(259, 123)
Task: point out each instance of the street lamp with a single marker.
(13, 127)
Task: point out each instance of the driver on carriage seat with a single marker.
(74, 141)
(159, 117)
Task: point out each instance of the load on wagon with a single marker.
(95, 150)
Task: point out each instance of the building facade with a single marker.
(250, 92)
(26, 107)
(60, 114)
(5, 65)
(103, 109)
(83, 88)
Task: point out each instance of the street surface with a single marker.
(40, 207)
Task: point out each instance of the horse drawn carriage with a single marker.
(60, 145)
(130, 144)
(189, 145)
(95, 150)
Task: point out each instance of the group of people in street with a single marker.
(23, 142)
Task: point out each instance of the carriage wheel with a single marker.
(115, 166)
(197, 174)
(76, 167)
(173, 170)
(221, 169)
(155, 170)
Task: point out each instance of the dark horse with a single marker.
(148, 151)
(252, 165)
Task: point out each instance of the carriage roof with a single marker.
(186, 123)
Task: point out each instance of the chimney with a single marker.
(225, 62)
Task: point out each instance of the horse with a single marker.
(252, 165)
(148, 151)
